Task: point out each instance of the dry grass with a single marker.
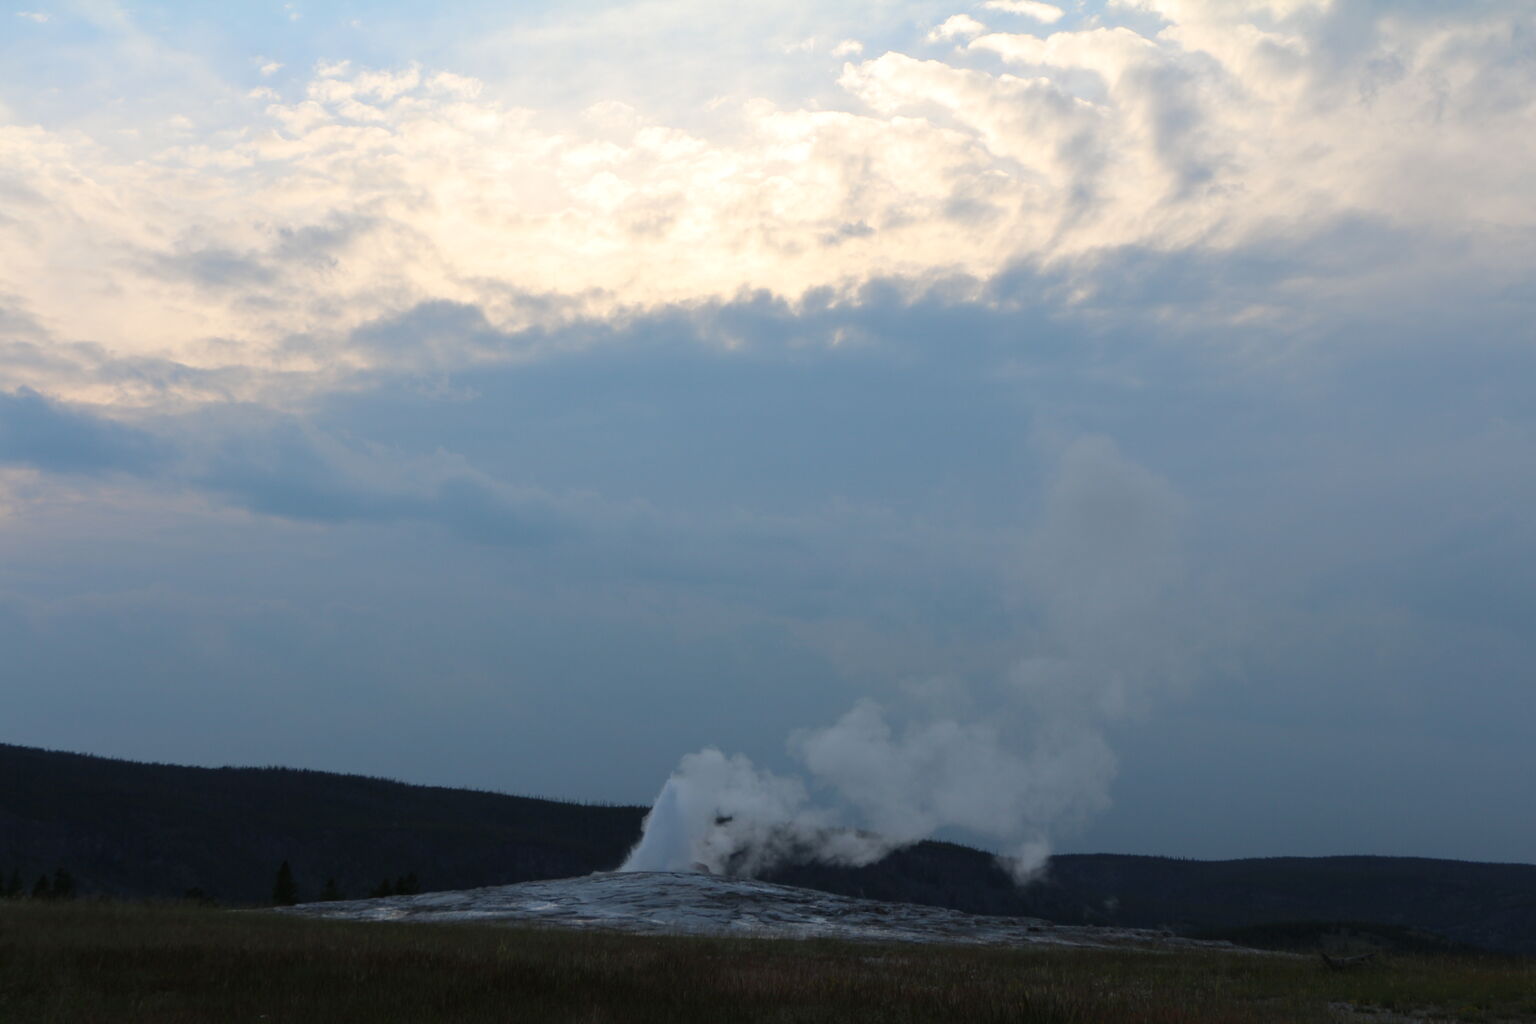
(80, 962)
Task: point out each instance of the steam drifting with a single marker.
(723, 815)
(1014, 761)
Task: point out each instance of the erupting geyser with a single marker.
(1010, 760)
(724, 816)
(666, 840)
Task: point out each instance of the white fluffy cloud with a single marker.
(376, 189)
(960, 26)
(1048, 14)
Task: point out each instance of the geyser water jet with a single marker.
(666, 839)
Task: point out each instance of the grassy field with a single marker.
(83, 961)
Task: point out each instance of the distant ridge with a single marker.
(127, 828)
(137, 829)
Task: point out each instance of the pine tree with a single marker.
(13, 887)
(63, 885)
(331, 892)
(285, 892)
(40, 888)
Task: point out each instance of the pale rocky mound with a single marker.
(700, 904)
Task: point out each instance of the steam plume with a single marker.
(1015, 760)
(721, 814)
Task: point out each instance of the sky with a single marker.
(1074, 426)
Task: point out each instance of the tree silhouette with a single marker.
(331, 892)
(63, 885)
(40, 888)
(403, 885)
(285, 892)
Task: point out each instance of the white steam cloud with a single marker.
(1014, 761)
(723, 815)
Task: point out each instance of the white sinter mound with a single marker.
(665, 902)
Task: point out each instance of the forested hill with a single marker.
(131, 829)
(126, 828)
(1488, 906)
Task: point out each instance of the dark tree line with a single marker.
(61, 885)
(58, 886)
(286, 892)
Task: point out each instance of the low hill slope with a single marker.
(131, 829)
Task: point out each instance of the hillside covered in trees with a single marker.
(121, 828)
(129, 829)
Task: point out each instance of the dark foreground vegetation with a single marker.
(73, 825)
(89, 961)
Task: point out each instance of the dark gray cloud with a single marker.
(37, 432)
(275, 466)
(281, 466)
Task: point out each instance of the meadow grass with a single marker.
(116, 962)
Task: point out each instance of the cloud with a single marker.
(278, 467)
(38, 432)
(1049, 14)
(760, 348)
(959, 26)
(1222, 131)
(284, 467)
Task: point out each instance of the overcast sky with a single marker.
(524, 396)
